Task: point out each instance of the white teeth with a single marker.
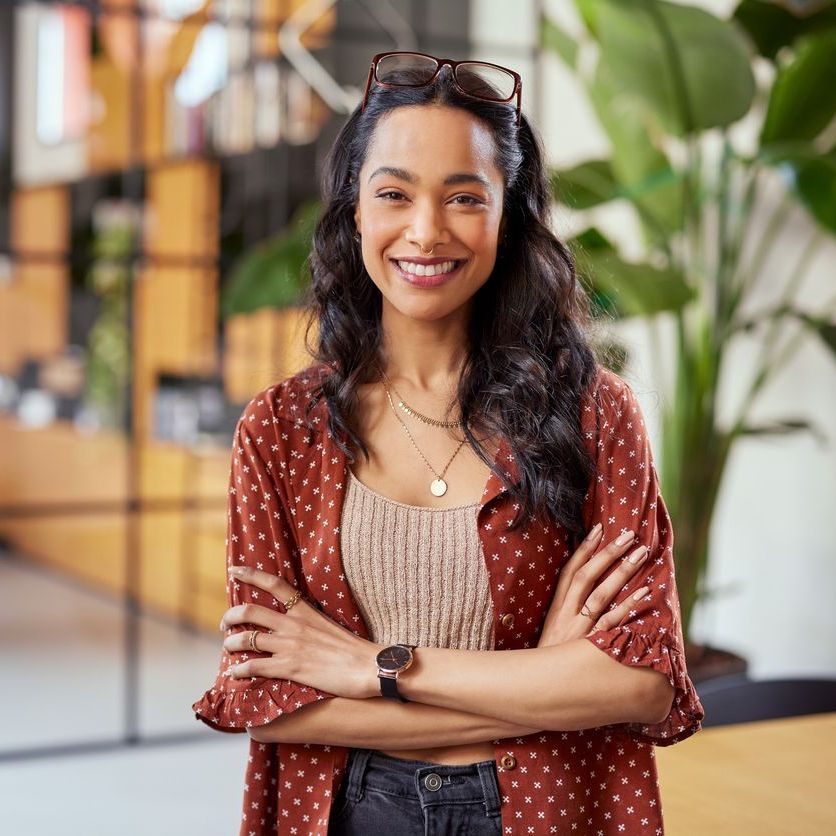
(427, 269)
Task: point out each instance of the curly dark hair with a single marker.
(529, 357)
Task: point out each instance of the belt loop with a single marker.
(356, 772)
(490, 786)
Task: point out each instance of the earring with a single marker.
(357, 237)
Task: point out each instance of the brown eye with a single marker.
(472, 201)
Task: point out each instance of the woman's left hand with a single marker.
(306, 646)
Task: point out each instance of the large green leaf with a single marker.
(773, 25)
(813, 177)
(642, 170)
(588, 10)
(591, 239)
(819, 325)
(690, 68)
(826, 331)
(786, 426)
(272, 275)
(554, 38)
(803, 97)
(815, 183)
(594, 182)
(634, 289)
(586, 185)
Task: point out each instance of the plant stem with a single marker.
(738, 237)
(776, 220)
(656, 351)
(697, 262)
(765, 371)
(723, 247)
(661, 235)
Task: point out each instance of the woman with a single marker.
(479, 615)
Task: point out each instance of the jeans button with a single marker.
(433, 782)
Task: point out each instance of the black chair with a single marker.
(738, 699)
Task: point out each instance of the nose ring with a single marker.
(427, 252)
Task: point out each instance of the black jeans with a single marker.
(385, 796)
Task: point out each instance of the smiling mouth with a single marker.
(428, 271)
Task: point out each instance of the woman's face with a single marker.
(429, 181)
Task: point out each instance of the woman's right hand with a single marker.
(564, 620)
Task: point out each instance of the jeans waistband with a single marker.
(426, 782)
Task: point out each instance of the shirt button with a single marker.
(507, 619)
(508, 761)
(433, 781)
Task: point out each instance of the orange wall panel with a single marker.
(182, 210)
(262, 348)
(38, 319)
(40, 220)
(109, 136)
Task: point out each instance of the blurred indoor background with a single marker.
(159, 164)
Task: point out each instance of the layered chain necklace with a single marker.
(438, 487)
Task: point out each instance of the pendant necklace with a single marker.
(438, 487)
(415, 413)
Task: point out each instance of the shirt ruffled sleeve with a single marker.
(625, 496)
(258, 535)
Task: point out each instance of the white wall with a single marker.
(773, 546)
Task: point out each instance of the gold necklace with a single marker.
(434, 422)
(438, 487)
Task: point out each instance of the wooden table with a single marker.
(774, 777)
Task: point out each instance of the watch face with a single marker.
(394, 658)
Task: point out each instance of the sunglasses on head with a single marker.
(479, 79)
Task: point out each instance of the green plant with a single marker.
(273, 274)
(109, 278)
(668, 84)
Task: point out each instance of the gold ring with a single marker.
(588, 614)
(253, 634)
(291, 601)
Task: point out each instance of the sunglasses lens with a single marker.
(406, 68)
(484, 81)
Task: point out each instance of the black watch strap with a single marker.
(389, 688)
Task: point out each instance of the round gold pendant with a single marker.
(438, 487)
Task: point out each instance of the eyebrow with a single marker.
(449, 180)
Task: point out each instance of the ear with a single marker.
(357, 219)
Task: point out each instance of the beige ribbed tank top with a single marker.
(417, 573)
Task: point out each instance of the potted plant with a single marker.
(260, 304)
(671, 86)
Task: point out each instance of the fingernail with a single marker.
(638, 555)
(641, 593)
(235, 570)
(624, 538)
(596, 530)
(222, 627)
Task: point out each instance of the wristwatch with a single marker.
(391, 661)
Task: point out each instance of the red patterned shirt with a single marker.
(286, 491)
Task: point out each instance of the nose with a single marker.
(426, 228)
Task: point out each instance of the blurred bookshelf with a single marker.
(135, 121)
(145, 146)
